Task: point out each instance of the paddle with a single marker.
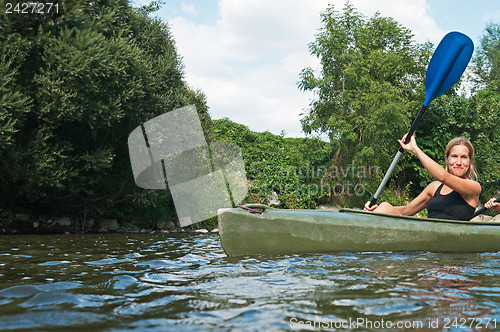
(445, 68)
(483, 209)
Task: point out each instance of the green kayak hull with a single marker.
(279, 231)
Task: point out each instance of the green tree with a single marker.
(486, 62)
(372, 74)
(291, 167)
(486, 105)
(75, 82)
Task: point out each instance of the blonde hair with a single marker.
(471, 172)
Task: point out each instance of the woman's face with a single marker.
(458, 160)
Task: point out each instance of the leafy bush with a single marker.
(291, 167)
(73, 85)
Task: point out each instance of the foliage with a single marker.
(74, 84)
(370, 88)
(147, 209)
(476, 118)
(486, 63)
(371, 75)
(291, 167)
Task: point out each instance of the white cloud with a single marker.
(413, 14)
(248, 62)
(188, 8)
(492, 16)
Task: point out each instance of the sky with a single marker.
(246, 55)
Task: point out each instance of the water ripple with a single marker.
(165, 282)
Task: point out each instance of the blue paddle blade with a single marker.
(447, 64)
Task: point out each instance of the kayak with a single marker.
(260, 229)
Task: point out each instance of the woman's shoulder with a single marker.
(431, 188)
(474, 187)
(477, 187)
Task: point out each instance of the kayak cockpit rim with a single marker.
(264, 208)
(421, 219)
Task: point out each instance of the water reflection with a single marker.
(163, 281)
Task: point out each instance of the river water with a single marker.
(185, 282)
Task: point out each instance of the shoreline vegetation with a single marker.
(25, 224)
(74, 84)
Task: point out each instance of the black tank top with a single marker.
(451, 206)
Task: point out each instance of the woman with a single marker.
(454, 195)
(492, 205)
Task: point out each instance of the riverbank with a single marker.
(27, 224)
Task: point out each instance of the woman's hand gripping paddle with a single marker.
(445, 68)
(483, 209)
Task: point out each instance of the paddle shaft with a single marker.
(483, 209)
(445, 68)
(414, 126)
